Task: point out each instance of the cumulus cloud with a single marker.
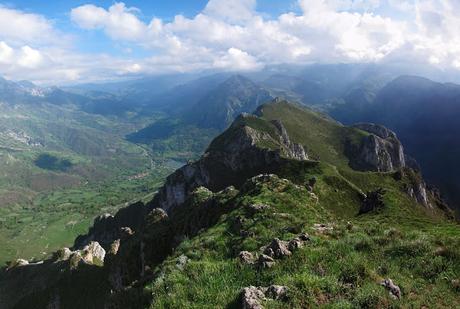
(234, 35)
(119, 21)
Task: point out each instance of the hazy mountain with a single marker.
(222, 105)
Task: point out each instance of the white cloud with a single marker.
(6, 53)
(233, 35)
(119, 22)
(30, 58)
(231, 11)
(237, 60)
(19, 28)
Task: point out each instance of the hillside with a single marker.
(286, 209)
(425, 116)
(61, 166)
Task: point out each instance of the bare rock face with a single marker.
(419, 193)
(381, 151)
(376, 129)
(93, 253)
(108, 228)
(230, 159)
(292, 150)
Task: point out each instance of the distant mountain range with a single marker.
(425, 115)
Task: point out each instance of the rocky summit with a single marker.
(285, 209)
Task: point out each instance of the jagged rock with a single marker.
(93, 253)
(255, 208)
(231, 158)
(293, 150)
(182, 261)
(372, 201)
(278, 249)
(107, 228)
(251, 297)
(418, 192)
(265, 261)
(246, 257)
(376, 129)
(394, 290)
(380, 151)
(62, 255)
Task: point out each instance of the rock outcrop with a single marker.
(107, 228)
(239, 153)
(252, 297)
(380, 151)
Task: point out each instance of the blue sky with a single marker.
(79, 41)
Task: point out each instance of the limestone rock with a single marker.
(230, 159)
(380, 151)
(93, 253)
(114, 247)
(276, 292)
(246, 257)
(252, 297)
(278, 249)
(265, 261)
(394, 290)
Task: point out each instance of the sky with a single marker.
(61, 42)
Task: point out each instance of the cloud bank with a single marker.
(232, 35)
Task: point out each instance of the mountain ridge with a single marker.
(241, 213)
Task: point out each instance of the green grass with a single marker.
(339, 269)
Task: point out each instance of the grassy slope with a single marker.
(42, 209)
(417, 248)
(340, 269)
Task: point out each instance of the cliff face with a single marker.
(380, 151)
(241, 152)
